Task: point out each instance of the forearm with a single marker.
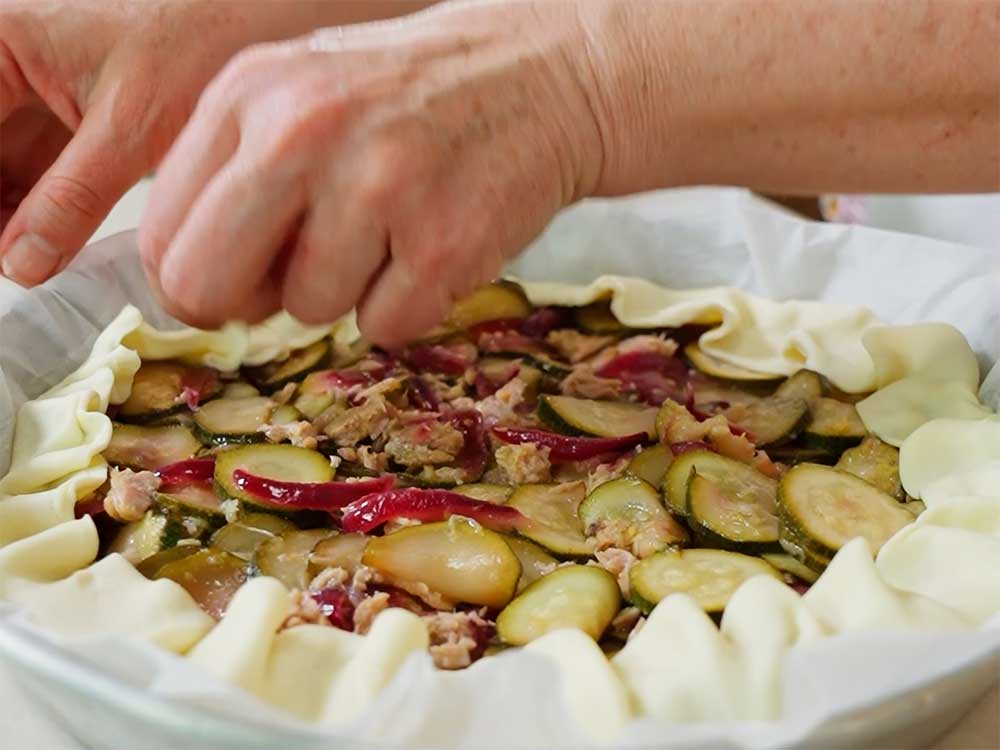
(792, 96)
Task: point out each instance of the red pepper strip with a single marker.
(93, 507)
(654, 376)
(326, 496)
(195, 383)
(679, 449)
(510, 342)
(375, 509)
(475, 451)
(336, 604)
(422, 396)
(567, 448)
(436, 358)
(541, 321)
(190, 471)
(500, 325)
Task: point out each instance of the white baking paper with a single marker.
(680, 239)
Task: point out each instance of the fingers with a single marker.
(68, 203)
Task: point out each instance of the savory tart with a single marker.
(522, 470)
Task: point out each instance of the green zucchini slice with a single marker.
(877, 463)
(491, 493)
(738, 480)
(152, 564)
(650, 464)
(158, 391)
(315, 394)
(788, 564)
(598, 318)
(629, 510)
(282, 462)
(797, 454)
(804, 384)
(821, 509)
(275, 375)
(286, 557)
(583, 416)
(502, 299)
(552, 512)
(339, 551)
(210, 576)
(140, 447)
(584, 597)
(747, 521)
(834, 426)
(193, 501)
(535, 561)
(141, 539)
(239, 389)
(717, 368)
(243, 537)
(771, 420)
(233, 420)
(709, 576)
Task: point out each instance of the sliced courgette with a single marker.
(285, 463)
(285, 414)
(210, 576)
(804, 384)
(629, 511)
(788, 564)
(141, 539)
(152, 564)
(584, 597)
(535, 561)
(491, 493)
(233, 420)
(239, 389)
(193, 501)
(583, 416)
(497, 301)
(598, 318)
(746, 522)
(834, 426)
(709, 576)
(821, 509)
(771, 420)
(243, 537)
(286, 557)
(734, 478)
(340, 551)
(797, 454)
(877, 463)
(158, 390)
(552, 512)
(297, 365)
(717, 368)
(650, 464)
(141, 447)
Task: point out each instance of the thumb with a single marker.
(69, 202)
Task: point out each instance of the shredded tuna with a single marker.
(625, 622)
(680, 426)
(372, 459)
(618, 562)
(329, 578)
(369, 420)
(640, 539)
(457, 638)
(575, 346)
(463, 403)
(131, 494)
(301, 434)
(605, 473)
(368, 609)
(444, 391)
(654, 343)
(305, 611)
(526, 463)
(283, 396)
(583, 382)
(425, 442)
(500, 407)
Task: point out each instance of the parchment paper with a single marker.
(679, 239)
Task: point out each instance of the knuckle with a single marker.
(65, 201)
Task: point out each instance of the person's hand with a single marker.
(92, 94)
(389, 167)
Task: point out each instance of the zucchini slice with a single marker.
(339, 551)
(275, 375)
(239, 389)
(552, 512)
(788, 564)
(243, 537)
(650, 464)
(821, 509)
(629, 510)
(158, 390)
(771, 420)
(535, 561)
(283, 462)
(584, 597)
(717, 368)
(746, 522)
(233, 420)
(497, 301)
(152, 564)
(834, 426)
(736, 479)
(798, 454)
(458, 559)
(195, 501)
(138, 447)
(583, 416)
(598, 318)
(877, 463)
(141, 539)
(491, 493)
(804, 384)
(211, 578)
(286, 557)
(709, 576)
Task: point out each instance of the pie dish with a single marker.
(802, 359)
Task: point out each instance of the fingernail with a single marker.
(30, 260)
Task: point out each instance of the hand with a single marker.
(391, 167)
(92, 94)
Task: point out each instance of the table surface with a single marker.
(22, 726)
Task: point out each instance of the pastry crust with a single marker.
(939, 573)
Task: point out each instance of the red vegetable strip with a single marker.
(568, 448)
(375, 509)
(679, 449)
(475, 451)
(192, 470)
(436, 358)
(326, 496)
(196, 383)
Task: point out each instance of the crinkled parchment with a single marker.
(932, 590)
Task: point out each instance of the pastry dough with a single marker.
(939, 573)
